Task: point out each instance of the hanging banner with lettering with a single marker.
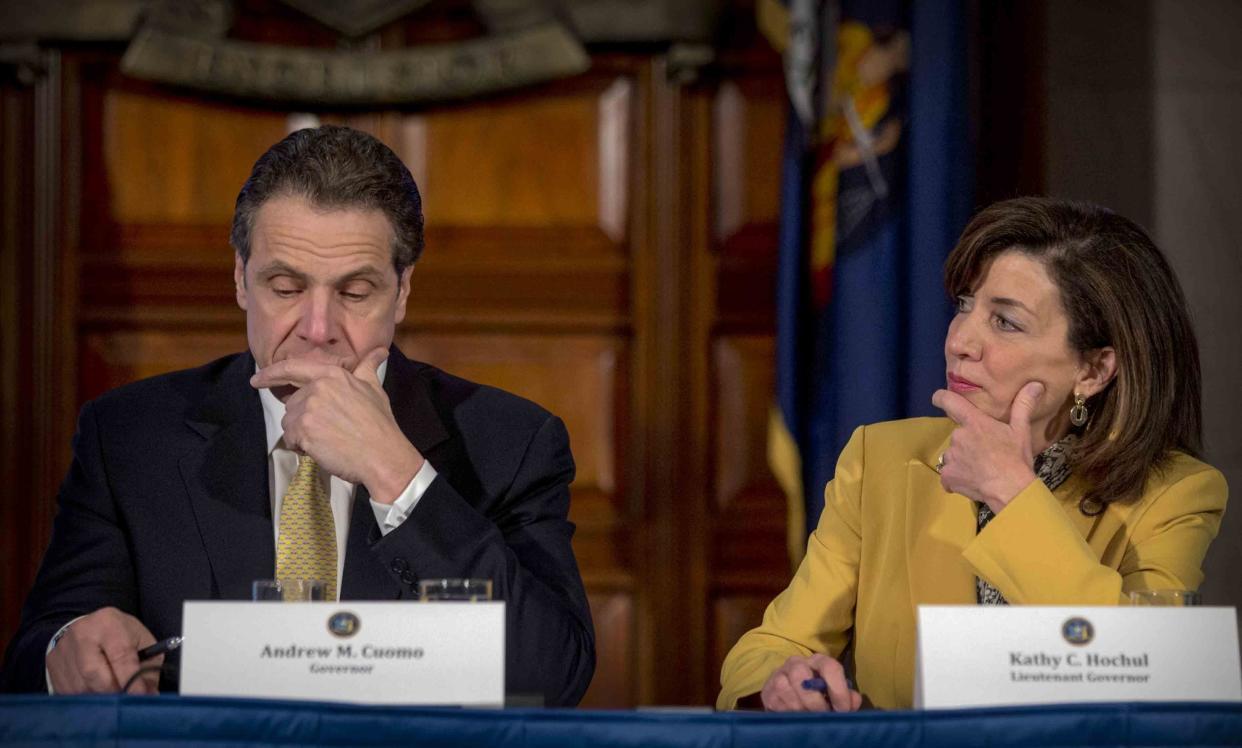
(972, 655)
(373, 653)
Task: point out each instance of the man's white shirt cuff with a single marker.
(390, 516)
(51, 644)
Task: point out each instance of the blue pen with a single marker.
(821, 685)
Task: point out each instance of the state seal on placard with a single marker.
(344, 624)
(1078, 631)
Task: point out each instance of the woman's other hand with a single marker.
(784, 692)
(989, 460)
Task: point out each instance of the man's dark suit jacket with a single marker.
(167, 500)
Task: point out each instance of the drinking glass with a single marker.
(289, 591)
(1165, 597)
(461, 590)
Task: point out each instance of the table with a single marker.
(219, 722)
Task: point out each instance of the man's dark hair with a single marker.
(335, 167)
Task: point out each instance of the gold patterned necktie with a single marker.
(306, 548)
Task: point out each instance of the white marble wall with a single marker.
(1144, 114)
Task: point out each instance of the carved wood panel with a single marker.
(748, 117)
(749, 510)
(748, 122)
(538, 367)
(170, 160)
(603, 245)
(547, 163)
(748, 562)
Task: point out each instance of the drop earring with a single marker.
(1079, 413)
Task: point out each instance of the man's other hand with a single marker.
(99, 654)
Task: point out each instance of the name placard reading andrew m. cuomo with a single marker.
(983, 655)
(377, 653)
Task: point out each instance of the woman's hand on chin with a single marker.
(989, 460)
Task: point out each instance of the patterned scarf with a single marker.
(1052, 467)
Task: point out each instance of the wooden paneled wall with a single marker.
(604, 245)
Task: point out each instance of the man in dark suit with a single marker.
(324, 436)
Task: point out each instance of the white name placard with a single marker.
(367, 652)
(984, 655)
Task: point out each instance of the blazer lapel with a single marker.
(939, 526)
(1097, 530)
(226, 478)
(365, 577)
(412, 404)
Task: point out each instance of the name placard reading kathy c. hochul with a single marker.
(982, 655)
(366, 652)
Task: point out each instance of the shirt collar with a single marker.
(274, 410)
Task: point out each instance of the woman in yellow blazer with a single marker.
(1064, 473)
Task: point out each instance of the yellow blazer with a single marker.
(891, 538)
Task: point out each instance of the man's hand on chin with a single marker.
(343, 420)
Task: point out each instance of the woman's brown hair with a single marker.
(1117, 289)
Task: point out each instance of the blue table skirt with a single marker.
(171, 720)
